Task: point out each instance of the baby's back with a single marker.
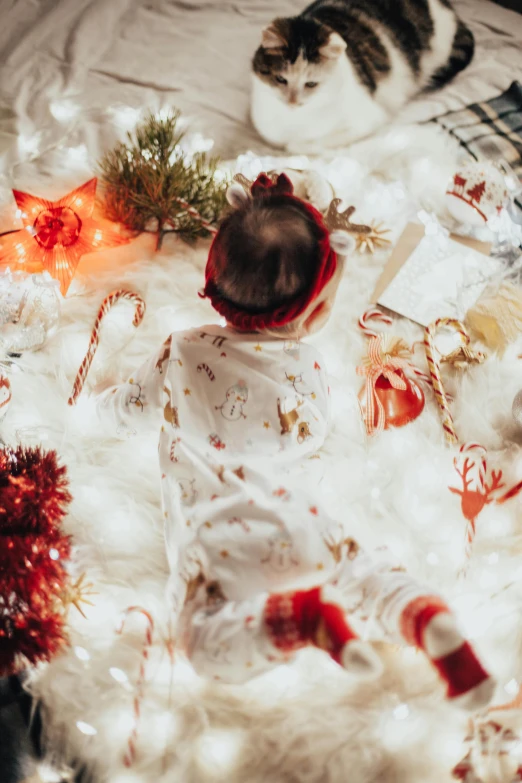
(233, 397)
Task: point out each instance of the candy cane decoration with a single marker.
(130, 755)
(373, 314)
(435, 373)
(106, 305)
(208, 371)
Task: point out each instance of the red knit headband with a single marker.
(263, 187)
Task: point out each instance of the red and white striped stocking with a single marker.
(427, 623)
(315, 617)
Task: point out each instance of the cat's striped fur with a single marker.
(341, 68)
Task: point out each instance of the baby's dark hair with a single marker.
(269, 251)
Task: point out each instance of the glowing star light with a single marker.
(58, 233)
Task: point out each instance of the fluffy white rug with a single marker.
(305, 723)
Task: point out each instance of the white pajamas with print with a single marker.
(238, 414)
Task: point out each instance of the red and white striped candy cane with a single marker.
(195, 214)
(106, 305)
(422, 376)
(435, 373)
(373, 313)
(130, 755)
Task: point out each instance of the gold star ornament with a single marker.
(79, 593)
(373, 240)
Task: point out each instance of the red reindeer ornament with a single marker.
(476, 492)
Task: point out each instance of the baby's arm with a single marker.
(131, 407)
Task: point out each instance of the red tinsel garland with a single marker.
(33, 554)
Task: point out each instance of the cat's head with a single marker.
(297, 57)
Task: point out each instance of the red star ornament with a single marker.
(58, 233)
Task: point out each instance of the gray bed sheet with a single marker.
(193, 54)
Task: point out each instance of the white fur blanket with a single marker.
(75, 72)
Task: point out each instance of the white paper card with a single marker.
(439, 283)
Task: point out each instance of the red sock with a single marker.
(300, 618)
(459, 667)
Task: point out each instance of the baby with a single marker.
(259, 570)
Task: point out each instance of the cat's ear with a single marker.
(237, 195)
(334, 47)
(342, 243)
(271, 38)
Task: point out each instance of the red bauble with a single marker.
(33, 555)
(400, 405)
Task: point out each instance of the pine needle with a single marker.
(145, 177)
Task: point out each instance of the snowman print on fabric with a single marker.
(292, 348)
(232, 408)
(280, 556)
(219, 653)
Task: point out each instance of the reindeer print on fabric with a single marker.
(236, 397)
(343, 547)
(287, 419)
(303, 432)
(189, 493)
(136, 398)
(165, 356)
(170, 412)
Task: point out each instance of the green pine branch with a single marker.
(145, 177)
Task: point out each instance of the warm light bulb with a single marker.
(401, 712)
(81, 653)
(49, 775)
(511, 687)
(118, 675)
(63, 110)
(86, 728)
(219, 749)
(54, 554)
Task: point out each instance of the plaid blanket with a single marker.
(491, 130)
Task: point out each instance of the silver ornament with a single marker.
(29, 311)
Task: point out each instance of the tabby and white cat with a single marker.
(342, 68)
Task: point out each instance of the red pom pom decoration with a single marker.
(33, 554)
